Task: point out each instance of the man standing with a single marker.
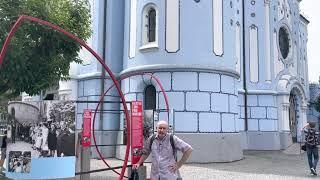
(164, 165)
(311, 137)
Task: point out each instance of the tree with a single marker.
(38, 57)
(62, 111)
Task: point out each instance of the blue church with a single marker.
(235, 72)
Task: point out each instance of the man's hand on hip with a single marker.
(174, 167)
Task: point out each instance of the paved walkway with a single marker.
(264, 165)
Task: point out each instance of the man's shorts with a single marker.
(3, 153)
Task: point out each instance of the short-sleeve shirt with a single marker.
(309, 131)
(162, 156)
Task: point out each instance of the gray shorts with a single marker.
(3, 153)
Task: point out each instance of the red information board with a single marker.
(86, 131)
(136, 131)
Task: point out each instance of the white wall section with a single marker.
(133, 28)
(217, 27)
(267, 41)
(278, 65)
(254, 56)
(238, 48)
(172, 25)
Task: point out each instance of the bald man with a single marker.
(164, 165)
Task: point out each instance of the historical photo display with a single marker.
(44, 128)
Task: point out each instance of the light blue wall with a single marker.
(275, 23)
(303, 56)
(107, 28)
(194, 103)
(48, 168)
(196, 45)
(95, 42)
(114, 34)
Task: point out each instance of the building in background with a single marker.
(313, 114)
(236, 74)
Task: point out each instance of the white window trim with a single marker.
(149, 46)
(145, 44)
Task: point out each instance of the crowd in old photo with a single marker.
(50, 139)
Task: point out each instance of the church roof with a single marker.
(304, 19)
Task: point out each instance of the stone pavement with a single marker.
(264, 165)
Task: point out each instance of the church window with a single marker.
(152, 25)
(149, 27)
(150, 98)
(284, 42)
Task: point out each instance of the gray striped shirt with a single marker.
(162, 156)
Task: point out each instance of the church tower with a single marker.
(190, 46)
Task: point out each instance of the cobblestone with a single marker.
(264, 165)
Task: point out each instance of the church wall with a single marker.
(202, 109)
(195, 36)
(105, 14)
(198, 59)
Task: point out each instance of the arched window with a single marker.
(150, 97)
(13, 113)
(152, 25)
(149, 27)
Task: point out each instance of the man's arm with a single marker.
(145, 153)
(141, 160)
(307, 125)
(184, 158)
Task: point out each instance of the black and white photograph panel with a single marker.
(19, 161)
(45, 128)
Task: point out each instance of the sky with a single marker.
(310, 8)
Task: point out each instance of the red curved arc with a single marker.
(82, 43)
(105, 93)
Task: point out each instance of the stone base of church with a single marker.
(285, 140)
(215, 147)
(256, 140)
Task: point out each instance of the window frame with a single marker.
(146, 44)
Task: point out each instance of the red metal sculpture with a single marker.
(102, 97)
(23, 18)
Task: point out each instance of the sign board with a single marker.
(136, 131)
(86, 132)
(36, 162)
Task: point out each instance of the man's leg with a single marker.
(315, 157)
(309, 154)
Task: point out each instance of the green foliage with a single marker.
(62, 111)
(38, 56)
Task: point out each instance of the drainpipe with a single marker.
(103, 72)
(244, 68)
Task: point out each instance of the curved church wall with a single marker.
(191, 54)
(202, 106)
